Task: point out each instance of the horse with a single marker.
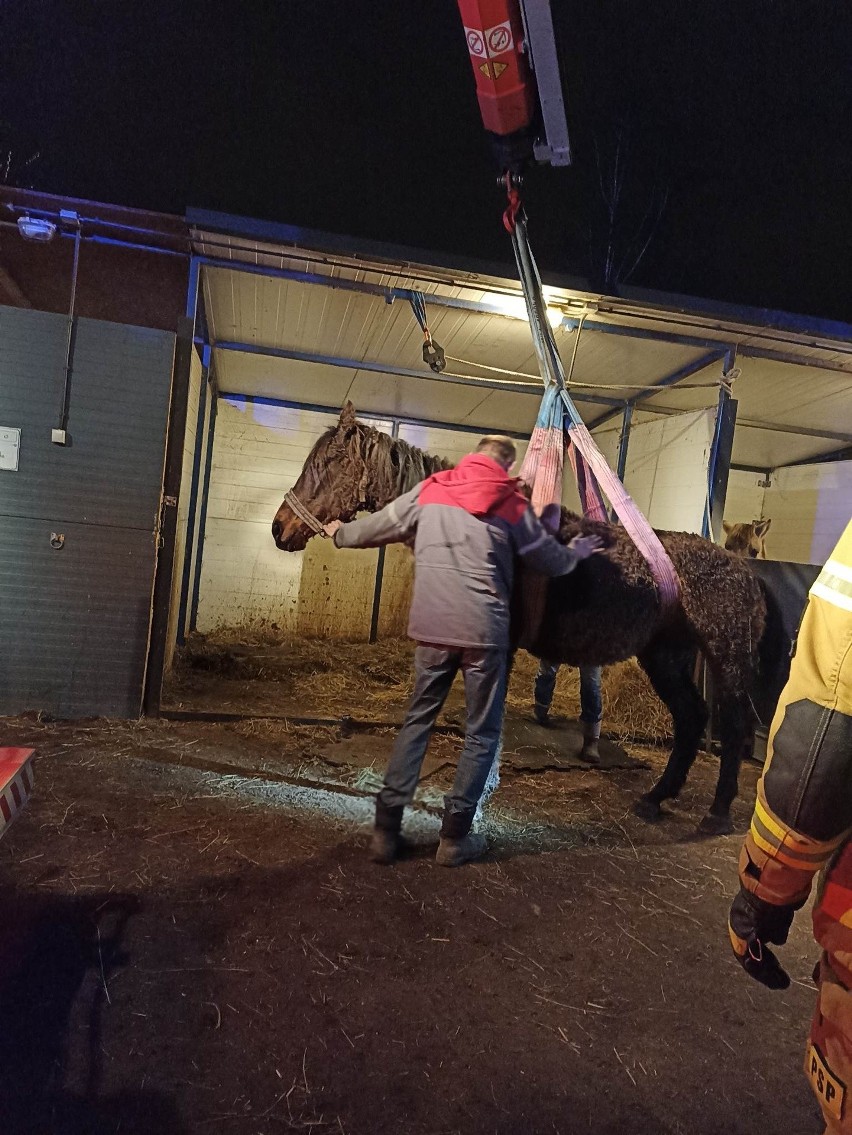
(607, 610)
(747, 539)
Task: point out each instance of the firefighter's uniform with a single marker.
(802, 824)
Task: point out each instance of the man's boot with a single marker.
(385, 841)
(458, 843)
(590, 753)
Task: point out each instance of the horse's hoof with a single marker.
(715, 825)
(647, 808)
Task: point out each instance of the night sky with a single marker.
(359, 117)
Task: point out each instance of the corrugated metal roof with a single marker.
(329, 304)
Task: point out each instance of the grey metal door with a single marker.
(75, 619)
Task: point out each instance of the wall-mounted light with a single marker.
(36, 228)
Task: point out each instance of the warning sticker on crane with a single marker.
(492, 70)
(475, 42)
(499, 39)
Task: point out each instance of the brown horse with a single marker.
(606, 611)
(747, 539)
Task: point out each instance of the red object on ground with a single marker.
(505, 87)
(16, 784)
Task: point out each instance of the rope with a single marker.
(433, 353)
(305, 515)
(725, 381)
(510, 215)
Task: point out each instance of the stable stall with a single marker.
(193, 362)
(694, 406)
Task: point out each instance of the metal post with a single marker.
(71, 333)
(720, 459)
(624, 441)
(205, 495)
(193, 498)
(380, 571)
(718, 471)
(166, 532)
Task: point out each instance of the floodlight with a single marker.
(36, 229)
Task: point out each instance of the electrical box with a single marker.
(10, 447)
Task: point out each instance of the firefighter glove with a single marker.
(752, 924)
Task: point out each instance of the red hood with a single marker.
(480, 486)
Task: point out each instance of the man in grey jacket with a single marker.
(468, 525)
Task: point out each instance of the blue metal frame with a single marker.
(189, 542)
(719, 465)
(205, 496)
(380, 573)
(623, 442)
(670, 380)
(533, 388)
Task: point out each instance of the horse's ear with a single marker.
(728, 527)
(347, 415)
(761, 527)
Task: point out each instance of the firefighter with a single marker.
(802, 824)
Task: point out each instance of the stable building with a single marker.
(162, 380)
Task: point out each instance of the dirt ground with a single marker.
(193, 940)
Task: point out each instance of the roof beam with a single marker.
(534, 388)
(843, 454)
(670, 380)
(772, 427)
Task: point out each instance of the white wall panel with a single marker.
(745, 498)
(809, 507)
(258, 453)
(667, 469)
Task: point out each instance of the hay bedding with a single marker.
(332, 677)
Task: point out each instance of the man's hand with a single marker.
(586, 546)
(332, 527)
(751, 924)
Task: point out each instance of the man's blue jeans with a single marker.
(591, 704)
(435, 667)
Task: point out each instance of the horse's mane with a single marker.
(385, 467)
(395, 465)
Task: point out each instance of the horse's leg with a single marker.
(736, 735)
(670, 672)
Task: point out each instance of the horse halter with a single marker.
(305, 515)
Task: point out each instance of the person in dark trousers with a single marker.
(591, 705)
(468, 525)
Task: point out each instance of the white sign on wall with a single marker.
(10, 447)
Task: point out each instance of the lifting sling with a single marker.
(559, 426)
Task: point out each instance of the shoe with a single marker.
(590, 753)
(384, 846)
(455, 852)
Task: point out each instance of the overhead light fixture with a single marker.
(36, 229)
(516, 308)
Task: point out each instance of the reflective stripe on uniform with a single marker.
(789, 847)
(834, 585)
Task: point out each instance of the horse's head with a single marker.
(329, 486)
(747, 539)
